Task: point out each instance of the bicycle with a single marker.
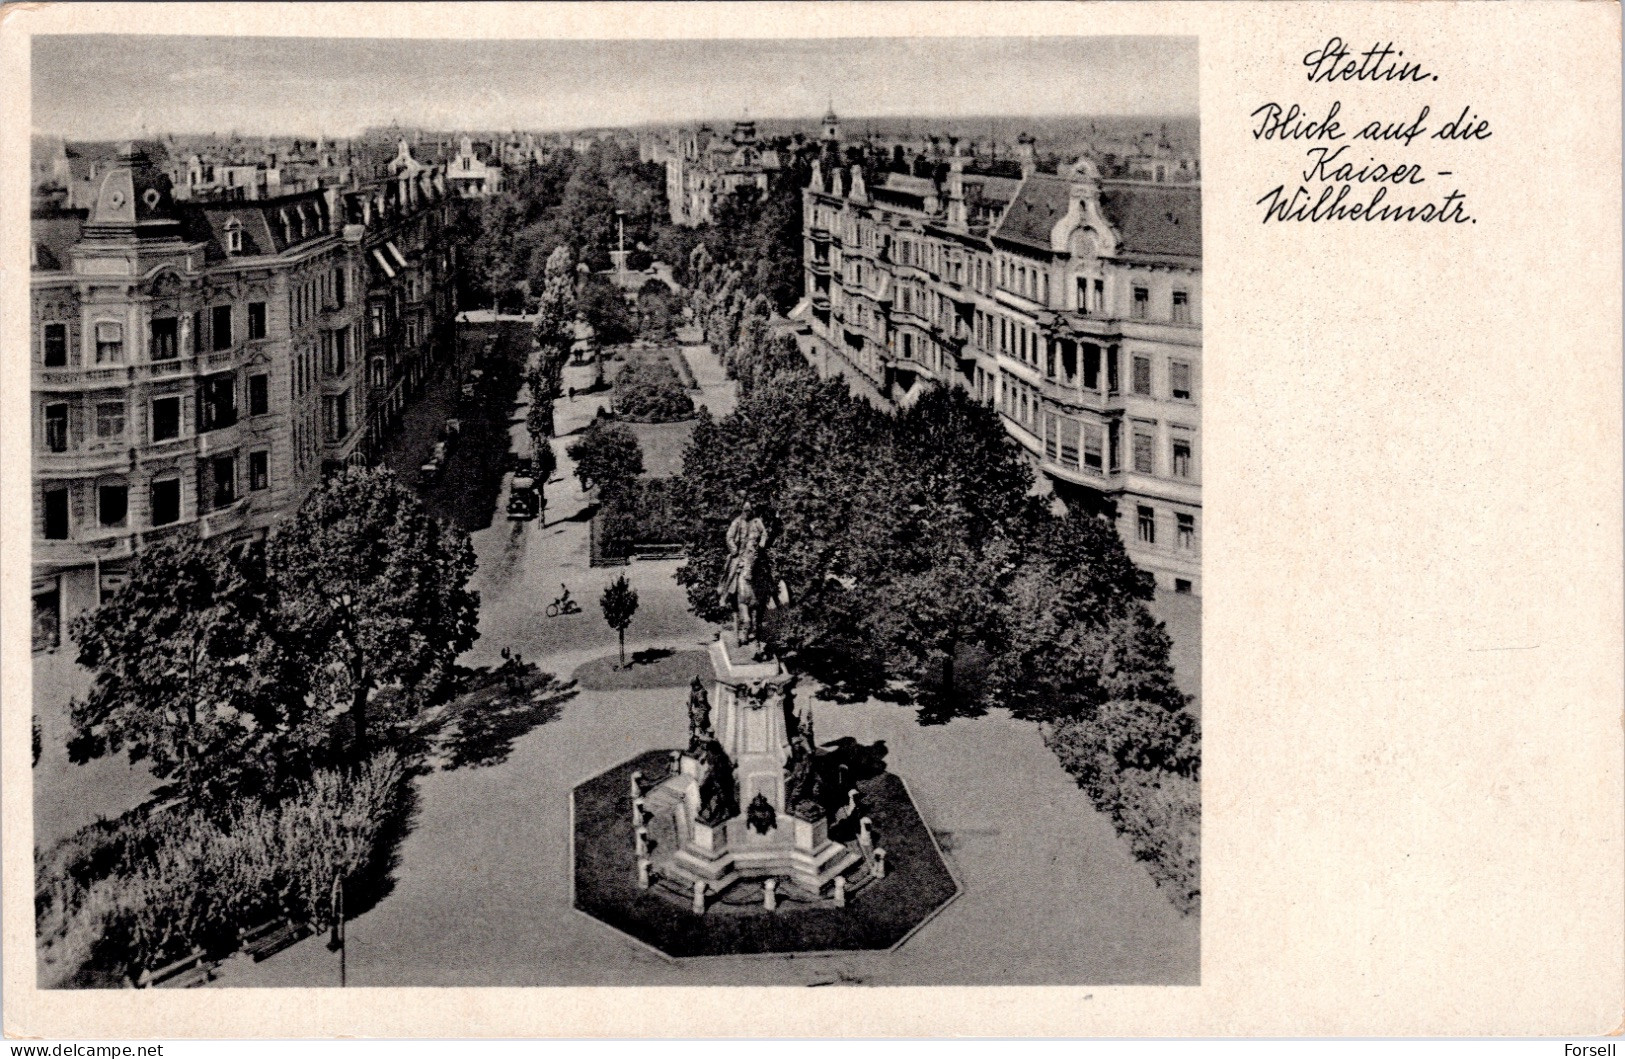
(563, 605)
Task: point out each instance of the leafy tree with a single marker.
(620, 602)
(556, 309)
(192, 666)
(602, 305)
(606, 455)
(539, 420)
(379, 585)
(546, 464)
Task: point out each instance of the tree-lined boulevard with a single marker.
(395, 640)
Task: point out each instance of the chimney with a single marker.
(1027, 155)
(956, 193)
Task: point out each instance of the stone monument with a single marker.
(744, 801)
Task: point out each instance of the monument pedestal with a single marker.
(753, 716)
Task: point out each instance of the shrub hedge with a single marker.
(157, 884)
(649, 391)
(1158, 810)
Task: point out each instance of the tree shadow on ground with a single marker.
(493, 708)
(660, 667)
(584, 515)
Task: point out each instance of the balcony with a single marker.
(819, 235)
(99, 377)
(223, 519)
(217, 360)
(1072, 395)
(820, 268)
(80, 551)
(84, 460)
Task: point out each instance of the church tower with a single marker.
(832, 125)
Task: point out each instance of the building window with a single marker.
(1111, 370)
(112, 505)
(1083, 296)
(256, 320)
(197, 332)
(1092, 449)
(1142, 376)
(1100, 296)
(1145, 460)
(1091, 366)
(234, 236)
(1148, 525)
(1187, 533)
(166, 418)
(56, 428)
(56, 345)
(166, 501)
(336, 412)
(56, 513)
(259, 470)
(1182, 307)
(165, 339)
(217, 402)
(1142, 302)
(110, 419)
(1182, 586)
(1182, 458)
(109, 343)
(259, 394)
(220, 324)
(223, 473)
(338, 288)
(1179, 379)
(1069, 442)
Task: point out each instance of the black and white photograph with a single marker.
(616, 512)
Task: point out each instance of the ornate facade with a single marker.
(1070, 303)
(704, 168)
(199, 364)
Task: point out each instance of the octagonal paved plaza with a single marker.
(880, 914)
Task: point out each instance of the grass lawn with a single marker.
(877, 916)
(654, 667)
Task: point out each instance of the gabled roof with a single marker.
(1161, 219)
(53, 232)
(1038, 206)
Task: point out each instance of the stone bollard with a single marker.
(637, 784)
(880, 864)
(640, 837)
(699, 896)
(643, 873)
(770, 894)
(676, 762)
(637, 811)
(840, 891)
(866, 837)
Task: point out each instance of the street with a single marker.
(1051, 893)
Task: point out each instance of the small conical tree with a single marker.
(620, 602)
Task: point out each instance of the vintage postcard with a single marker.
(1052, 519)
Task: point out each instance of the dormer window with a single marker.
(234, 236)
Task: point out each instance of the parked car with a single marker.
(454, 428)
(428, 472)
(439, 452)
(523, 500)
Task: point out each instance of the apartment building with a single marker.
(1071, 303)
(194, 364)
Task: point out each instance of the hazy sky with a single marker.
(105, 87)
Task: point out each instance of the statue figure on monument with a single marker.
(747, 578)
(761, 815)
(718, 799)
(699, 715)
(804, 783)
